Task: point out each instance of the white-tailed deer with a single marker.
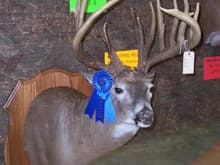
(57, 132)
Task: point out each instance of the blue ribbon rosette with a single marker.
(100, 101)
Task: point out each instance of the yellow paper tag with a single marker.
(127, 57)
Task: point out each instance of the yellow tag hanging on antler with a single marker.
(127, 57)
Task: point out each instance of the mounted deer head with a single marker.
(67, 136)
(147, 59)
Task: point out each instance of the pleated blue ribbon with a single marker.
(100, 101)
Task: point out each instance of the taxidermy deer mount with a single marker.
(58, 132)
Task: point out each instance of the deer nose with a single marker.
(145, 117)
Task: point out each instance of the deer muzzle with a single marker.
(144, 118)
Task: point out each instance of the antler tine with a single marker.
(141, 38)
(83, 28)
(151, 37)
(196, 14)
(76, 14)
(161, 26)
(145, 47)
(182, 27)
(82, 12)
(115, 65)
(195, 17)
(191, 22)
(174, 50)
(174, 27)
(141, 47)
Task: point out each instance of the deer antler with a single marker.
(145, 44)
(175, 49)
(177, 36)
(116, 66)
(83, 28)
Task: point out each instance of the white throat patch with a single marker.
(122, 129)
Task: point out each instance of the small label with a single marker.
(92, 5)
(211, 67)
(127, 57)
(188, 62)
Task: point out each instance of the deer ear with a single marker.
(150, 77)
(87, 76)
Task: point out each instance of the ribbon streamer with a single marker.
(100, 101)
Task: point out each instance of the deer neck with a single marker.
(124, 127)
(123, 130)
(120, 130)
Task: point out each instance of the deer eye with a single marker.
(118, 90)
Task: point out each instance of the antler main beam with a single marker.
(83, 28)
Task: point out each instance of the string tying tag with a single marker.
(184, 46)
(100, 101)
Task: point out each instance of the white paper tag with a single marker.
(188, 62)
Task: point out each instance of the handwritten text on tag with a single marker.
(127, 57)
